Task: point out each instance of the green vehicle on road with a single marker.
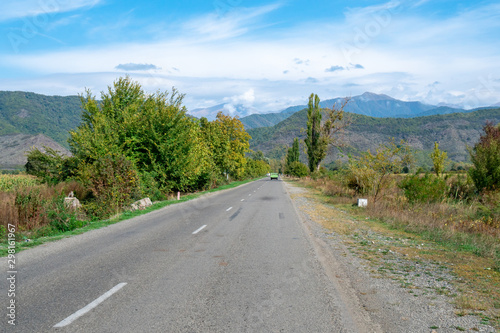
(274, 175)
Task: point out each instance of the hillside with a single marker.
(14, 147)
(33, 114)
(454, 132)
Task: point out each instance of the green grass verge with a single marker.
(91, 225)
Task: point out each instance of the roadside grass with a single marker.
(44, 235)
(378, 240)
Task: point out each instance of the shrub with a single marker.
(461, 188)
(485, 157)
(428, 188)
(113, 181)
(61, 217)
(297, 169)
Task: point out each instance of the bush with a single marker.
(113, 181)
(462, 188)
(297, 169)
(485, 157)
(428, 188)
(61, 217)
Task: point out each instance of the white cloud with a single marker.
(222, 59)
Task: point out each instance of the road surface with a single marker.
(238, 260)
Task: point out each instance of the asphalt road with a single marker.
(233, 261)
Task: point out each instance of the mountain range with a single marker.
(454, 132)
(46, 120)
(368, 104)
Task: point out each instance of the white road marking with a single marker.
(199, 229)
(227, 210)
(90, 306)
(250, 195)
(242, 199)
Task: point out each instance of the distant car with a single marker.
(274, 175)
(268, 174)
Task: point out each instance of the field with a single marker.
(12, 182)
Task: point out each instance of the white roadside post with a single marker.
(362, 202)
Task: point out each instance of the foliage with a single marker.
(369, 173)
(256, 168)
(153, 131)
(315, 142)
(293, 153)
(44, 165)
(320, 136)
(113, 181)
(461, 188)
(297, 169)
(227, 141)
(485, 157)
(426, 189)
(438, 159)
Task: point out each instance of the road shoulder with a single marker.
(386, 290)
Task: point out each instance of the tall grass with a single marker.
(12, 182)
(460, 224)
(36, 208)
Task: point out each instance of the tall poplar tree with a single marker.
(320, 136)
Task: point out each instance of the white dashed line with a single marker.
(90, 306)
(242, 199)
(199, 229)
(227, 210)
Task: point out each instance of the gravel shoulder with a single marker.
(386, 290)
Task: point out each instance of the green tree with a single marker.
(297, 169)
(316, 145)
(228, 143)
(369, 173)
(485, 157)
(152, 131)
(438, 159)
(293, 152)
(321, 135)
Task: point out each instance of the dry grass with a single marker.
(444, 228)
(27, 206)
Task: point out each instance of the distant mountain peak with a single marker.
(369, 96)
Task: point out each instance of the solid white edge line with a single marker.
(227, 210)
(199, 229)
(90, 306)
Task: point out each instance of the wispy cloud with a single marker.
(27, 8)
(235, 23)
(136, 67)
(334, 69)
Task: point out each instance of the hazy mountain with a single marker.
(454, 132)
(227, 108)
(13, 148)
(368, 104)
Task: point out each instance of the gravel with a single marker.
(399, 294)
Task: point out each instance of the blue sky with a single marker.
(264, 55)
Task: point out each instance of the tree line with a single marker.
(131, 144)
